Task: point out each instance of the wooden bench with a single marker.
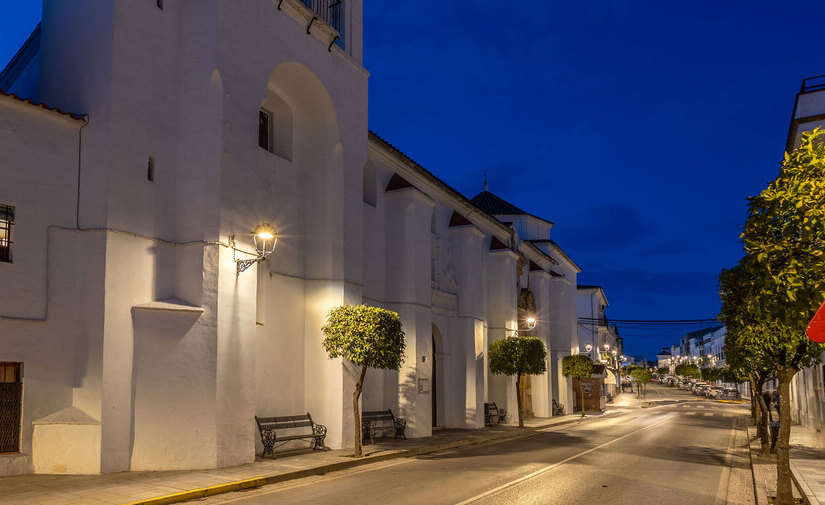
(558, 408)
(269, 427)
(377, 420)
(492, 412)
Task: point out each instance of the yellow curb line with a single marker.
(333, 467)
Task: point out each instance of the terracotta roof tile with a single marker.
(79, 117)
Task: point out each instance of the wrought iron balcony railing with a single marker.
(330, 12)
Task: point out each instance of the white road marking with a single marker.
(690, 413)
(556, 465)
(709, 414)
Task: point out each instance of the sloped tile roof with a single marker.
(492, 204)
(79, 117)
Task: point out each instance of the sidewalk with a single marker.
(807, 466)
(157, 488)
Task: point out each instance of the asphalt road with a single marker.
(674, 453)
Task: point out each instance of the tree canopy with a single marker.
(365, 336)
(688, 370)
(711, 374)
(577, 366)
(518, 356)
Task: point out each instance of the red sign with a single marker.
(816, 330)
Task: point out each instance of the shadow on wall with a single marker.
(173, 375)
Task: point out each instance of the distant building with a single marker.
(665, 359)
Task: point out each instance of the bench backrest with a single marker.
(377, 415)
(284, 422)
(491, 408)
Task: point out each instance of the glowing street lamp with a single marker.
(265, 239)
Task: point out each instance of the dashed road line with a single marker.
(556, 465)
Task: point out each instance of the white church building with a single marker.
(141, 143)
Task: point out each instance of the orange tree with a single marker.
(578, 366)
(518, 356)
(368, 337)
(784, 240)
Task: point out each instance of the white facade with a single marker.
(606, 346)
(142, 346)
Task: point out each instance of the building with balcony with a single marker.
(597, 337)
(143, 324)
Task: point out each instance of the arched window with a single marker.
(275, 126)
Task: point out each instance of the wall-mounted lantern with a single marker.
(588, 347)
(530, 323)
(265, 239)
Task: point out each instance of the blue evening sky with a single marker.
(639, 127)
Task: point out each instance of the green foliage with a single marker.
(663, 370)
(688, 370)
(366, 336)
(785, 234)
(629, 369)
(711, 374)
(641, 375)
(732, 375)
(772, 294)
(577, 366)
(518, 356)
(769, 297)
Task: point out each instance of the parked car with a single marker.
(714, 392)
(730, 394)
(698, 387)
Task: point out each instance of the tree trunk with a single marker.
(752, 384)
(581, 390)
(763, 415)
(356, 413)
(518, 401)
(784, 485)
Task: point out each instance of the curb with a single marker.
(760, 494)
(255, 482)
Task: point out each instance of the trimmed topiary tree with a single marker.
(368, 337)
(518, 356)
(711, 374)
(688, 370)
(642, 377)
(578, 366)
